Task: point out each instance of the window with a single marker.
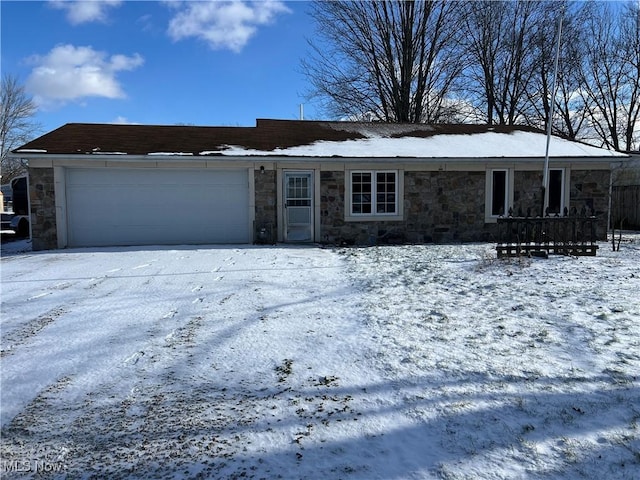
(373, 193)
(556, 191)
(499, 193)
(386, 192)
(361, 190)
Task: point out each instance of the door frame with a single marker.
(315, 201)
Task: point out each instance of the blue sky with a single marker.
(170, 62)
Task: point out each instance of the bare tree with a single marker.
(16, 125)
(570, 112)
(570, 107)
(481, 61)
(387, 60)
(630, 48)
(610, 76)
(499, 45)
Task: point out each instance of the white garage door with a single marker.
(156, 206)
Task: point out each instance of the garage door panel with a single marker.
(152, 176)
(159, 206)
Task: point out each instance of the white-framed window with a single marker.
(374, 194)
(499, 193)
(556, 191)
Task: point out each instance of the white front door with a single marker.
(298, 206)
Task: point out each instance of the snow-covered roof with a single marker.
(516, 144)
(305, 139)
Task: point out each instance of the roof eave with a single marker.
(173, 157)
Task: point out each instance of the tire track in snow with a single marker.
(27, 417)
(28, 330)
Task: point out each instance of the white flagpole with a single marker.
(545, 176)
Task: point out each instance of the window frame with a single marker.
(352, 216)
(490, 217)
(563, 189)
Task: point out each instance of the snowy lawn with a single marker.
(301, 362)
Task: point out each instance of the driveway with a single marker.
(149, 361)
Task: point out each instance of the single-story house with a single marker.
(300, 181)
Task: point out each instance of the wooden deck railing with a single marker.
(567, 235)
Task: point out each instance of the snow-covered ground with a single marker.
(302, 362)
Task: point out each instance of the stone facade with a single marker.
(589, 193)
(266, 223)
(43, 209)
(527, 193)
(438, 207)
(445, 207)
(590, 190)
(449, 207)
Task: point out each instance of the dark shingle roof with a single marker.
(267, 135)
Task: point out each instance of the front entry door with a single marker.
(298, 206)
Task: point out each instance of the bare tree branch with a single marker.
(16, 125)
(391, 61)
(610, 74)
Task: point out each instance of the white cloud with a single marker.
(85, 11)
(120, 120)
(223, 24)
(69, 73)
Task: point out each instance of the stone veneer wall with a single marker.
(527, 191)
(450, 207)
(266, 214)
(590, 189)
(43, 209)
(438, 207)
